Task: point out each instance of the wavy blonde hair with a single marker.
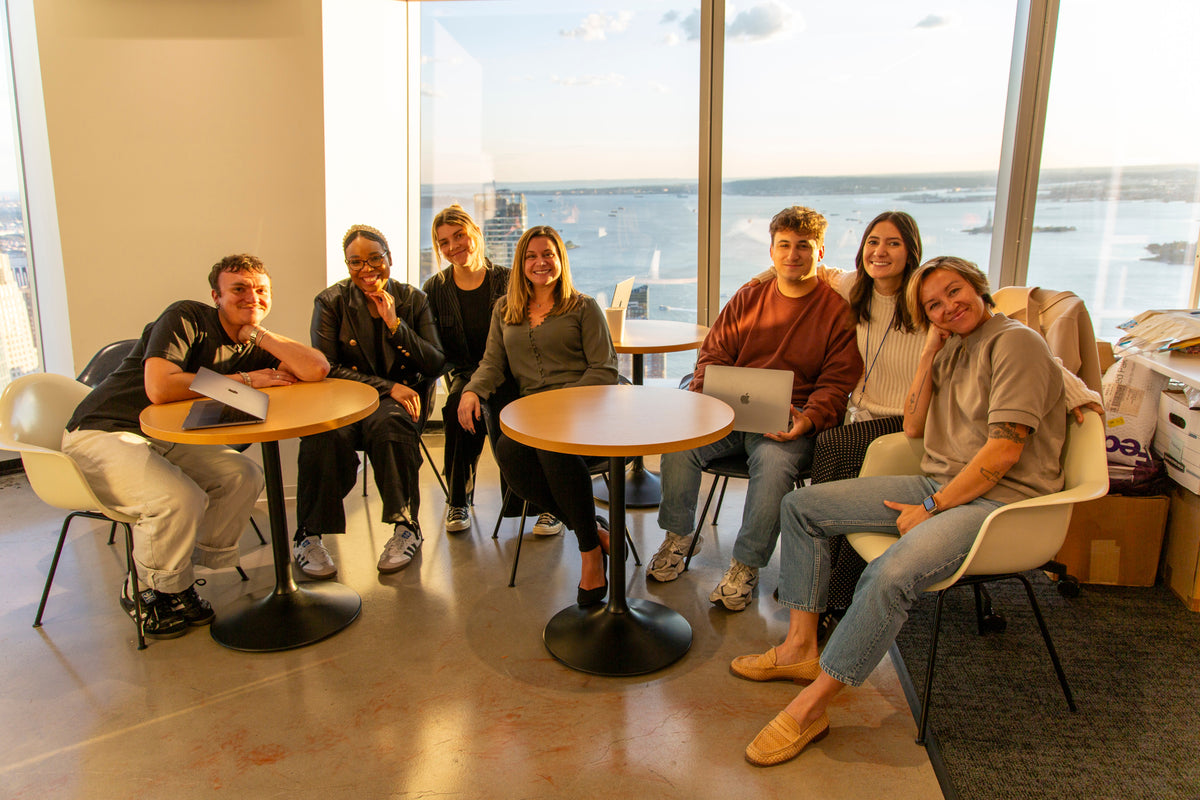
(456, 215)
(566, 296)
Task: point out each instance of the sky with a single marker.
(541, 91)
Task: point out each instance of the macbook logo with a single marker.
(745, 399)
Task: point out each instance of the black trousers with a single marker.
(837, 456)
(462, 453)
(556, 482)
(328, 464)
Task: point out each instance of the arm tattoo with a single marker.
(990, 475)
(915, 397)
(1012, 431)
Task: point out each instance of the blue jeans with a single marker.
(773, 470)
(928, 553)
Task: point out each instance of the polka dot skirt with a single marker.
(838, 456)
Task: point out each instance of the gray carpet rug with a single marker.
(999, 718)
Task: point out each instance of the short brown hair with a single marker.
(235, 263)
(801, 220)
(967, 270)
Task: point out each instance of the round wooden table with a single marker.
(623, 637)
(292, 615)
(642, 487)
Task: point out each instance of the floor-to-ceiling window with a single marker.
(858, 108)
(19, 345)
(578, 115)
(1118, 206)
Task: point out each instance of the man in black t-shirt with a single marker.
(191, 501)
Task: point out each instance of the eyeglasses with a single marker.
(376, 261)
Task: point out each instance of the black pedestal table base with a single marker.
(645, 638)
(643, 489)
(290, 616)
(624, 637)
(309, 614)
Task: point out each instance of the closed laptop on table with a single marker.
(232, 403)
(761, 399)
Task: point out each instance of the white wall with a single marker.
(181, 132)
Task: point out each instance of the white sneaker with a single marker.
(667, 564)
(736, 586)
(458, 518)
(547, 525)
(312, 557)
(400, 549)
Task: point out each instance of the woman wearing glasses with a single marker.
(381, 332)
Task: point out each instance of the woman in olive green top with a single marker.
(548, 335)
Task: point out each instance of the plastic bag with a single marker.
(1131, 393)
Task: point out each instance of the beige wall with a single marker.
(181, 131)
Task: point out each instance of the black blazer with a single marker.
(344, 330)
(442, 297)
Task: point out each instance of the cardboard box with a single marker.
(1177, 440)
(1115, 540)
(1181, 567)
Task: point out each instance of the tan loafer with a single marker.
(763, 667)
(783, 739)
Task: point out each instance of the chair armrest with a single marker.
(893, 454)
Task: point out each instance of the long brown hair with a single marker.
(864, 284)
(566, 296)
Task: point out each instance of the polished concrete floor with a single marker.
(442, 687)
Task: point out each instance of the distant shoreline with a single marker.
(1162, 183)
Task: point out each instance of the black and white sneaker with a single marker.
(400, 549)
(159, 619)
(189, 605)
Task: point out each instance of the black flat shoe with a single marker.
(594, 597)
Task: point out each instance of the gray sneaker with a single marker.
(736, 586)
(400, 549)
(667, 564)
(313, 559)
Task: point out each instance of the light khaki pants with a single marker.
(192, 501)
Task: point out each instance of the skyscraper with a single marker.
(503, 217)
(18, 350)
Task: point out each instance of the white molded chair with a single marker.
(1015, 538)
(34, 410)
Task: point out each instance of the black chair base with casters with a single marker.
(600, 467)
(987, 622)
(130, 567)
(722, 469)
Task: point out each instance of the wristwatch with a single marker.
(930, 504)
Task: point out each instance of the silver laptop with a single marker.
(232, 403)
(621, 293)
(761, 399)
